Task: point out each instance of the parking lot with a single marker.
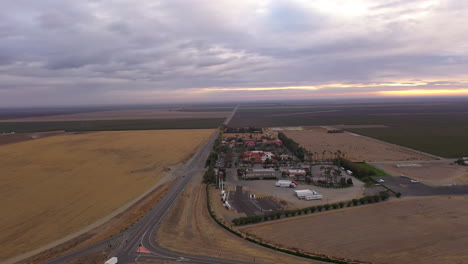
(242, 202)
(408, 188)
(264, 188)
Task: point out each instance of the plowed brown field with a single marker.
(55, 186)
(355, 147)
(417, 231)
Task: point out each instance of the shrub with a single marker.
(341, 204)
(312, 209)
(319, 208)
(398, 194)
(305, 210)
(376, 198)
(355, 201)
(327, 206)
(383, 196)
(334, 206)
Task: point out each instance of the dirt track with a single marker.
(414, 231)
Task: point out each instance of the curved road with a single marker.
(138, 242)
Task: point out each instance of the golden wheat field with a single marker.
(53, 187)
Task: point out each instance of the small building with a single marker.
(296, 172)
(257, 156)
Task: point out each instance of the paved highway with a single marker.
(228, 119)
(138, 242)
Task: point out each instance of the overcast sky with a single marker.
(56, 52)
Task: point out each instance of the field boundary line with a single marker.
(297, 253)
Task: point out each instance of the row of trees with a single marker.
(242, 130)
(358, 171)
(282, 214)
(292, 145)
(210, 174)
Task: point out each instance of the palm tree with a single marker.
(310, 157)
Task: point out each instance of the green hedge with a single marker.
(263, 244)
(284, 214)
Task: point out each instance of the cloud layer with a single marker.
(56, 52)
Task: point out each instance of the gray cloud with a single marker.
(56, 51)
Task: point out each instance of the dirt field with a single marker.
(127, 114)
(55, 186)
(101, 232)
(355, 147)
(188, 225)
(15, 138)
(431, 173)
(417, 231)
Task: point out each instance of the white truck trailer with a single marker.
(113, 260)
(308, 195)
(285, 184)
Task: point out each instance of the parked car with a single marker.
(414, 181)
(381, 180)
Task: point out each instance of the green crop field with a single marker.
(439, 128)
(109, 125)
(434, 136)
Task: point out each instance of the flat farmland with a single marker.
(15, 138)
(355, 147)
(128, 114)
(109, 125)
(421, 125)
(417, 231)
(55, 186)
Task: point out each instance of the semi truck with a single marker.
(286, 184)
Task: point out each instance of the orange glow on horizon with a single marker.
(424, 92)
(310, 87)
